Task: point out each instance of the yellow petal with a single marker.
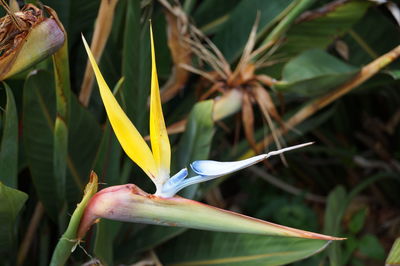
(158, 133)
(128, 136)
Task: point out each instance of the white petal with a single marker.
(216, 169)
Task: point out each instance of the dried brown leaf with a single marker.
(101, 34)
(181, 54)
(248, 121)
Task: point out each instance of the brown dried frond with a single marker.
(246, 55)
(198, 43)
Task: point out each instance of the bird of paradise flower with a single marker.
(129, 203)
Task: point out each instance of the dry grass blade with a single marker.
(207, 56)
(265, 60)
(199, 72)
(180, 53)
(29, 236)
(101, 33)
(266, 104)
(266, 80)
(246, 55)
(248, 121)
(214, 88)
(197, 34)
(16, 20)
(198, 42)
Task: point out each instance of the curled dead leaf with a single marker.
(27, 37)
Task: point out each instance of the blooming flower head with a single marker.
(156, 162)
(131, 204)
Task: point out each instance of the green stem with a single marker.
(63, 92)
(68, 241)
(288, 20)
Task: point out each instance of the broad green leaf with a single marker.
(363, 46)
(9, 143)
(144, 239)
(68, 241)
(336, 206)
(211, 248)
(210, 15)
(106, 231)
(39, 113)
(60, 136)
(136, 66)
(234, 34)
(60, 155)
(84, 137)
(314, 72)
(12, 201)
(357, 221)
(196, 140)
(394, 255)
(320, 30)
(370, 246)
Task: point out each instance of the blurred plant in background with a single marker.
(289, 71)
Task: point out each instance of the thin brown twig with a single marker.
(30, 233)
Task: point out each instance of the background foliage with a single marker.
(346, 184)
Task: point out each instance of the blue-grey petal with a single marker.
(215, 168)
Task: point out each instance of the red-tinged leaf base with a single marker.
(131, 204)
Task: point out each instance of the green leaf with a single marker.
(63, 96)
(60, 155)
(196, 140)
(336, 206)
(145, 239)
(12, 201)
(136, 66)
(38, 122)
(314, 72)
(323, 26)
(68, 240)
(39, 113)
(84, 137)
(210, 248)
(210, 15)
(357, 221)
(394, 255)
(234, 34)
(9, 143)
(371, 247)
(394, 73)
(363, 46)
